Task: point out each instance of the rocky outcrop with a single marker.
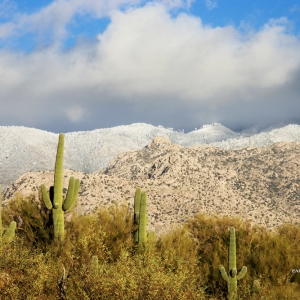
(258, 184)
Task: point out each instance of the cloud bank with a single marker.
(148, 66)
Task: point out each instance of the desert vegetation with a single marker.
(50, 252)
(98, 258)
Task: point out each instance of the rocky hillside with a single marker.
(25, 149)
(257, 184)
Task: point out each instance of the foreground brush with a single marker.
(9, 234)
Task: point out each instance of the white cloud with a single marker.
(75, 113)
(175, 3)
(54, 17)
(145, 50)
(6, 8)
(146, 58)
(6, 29)
(295, 8)
(210, 4)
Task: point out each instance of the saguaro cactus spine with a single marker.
(56, 204)
(232, 276)
(140, 218)
(9, 234)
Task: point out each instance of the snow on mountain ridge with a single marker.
(25, 149)
(289, 133)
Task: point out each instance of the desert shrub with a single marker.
(117, 222)
(181, 264)
(136, 277)
(84, 238)
(34, 222)
(27, 273)
(282, 292)
(269, 256)
(212, 235)
(178, 249)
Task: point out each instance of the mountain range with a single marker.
(25, 149)
(257, 182)
(260, 185)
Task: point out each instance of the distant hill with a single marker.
(27, 150)
(261, 185)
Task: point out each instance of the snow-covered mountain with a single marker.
(26, 149)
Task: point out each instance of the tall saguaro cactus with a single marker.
(232, 276)
(9, 234)
(56, 203)
(140, 218)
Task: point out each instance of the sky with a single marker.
(81, 65)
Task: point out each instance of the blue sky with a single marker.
(87, 64)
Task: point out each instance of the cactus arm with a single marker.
(72, 194)
(223, 273)
(69, 199)
(242, 273)
(46, 198)
(76, 189)
(137, 218)
(143, 221)
(8, 236)
(137, 204)
(10, 232)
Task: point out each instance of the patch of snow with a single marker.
(25, 149)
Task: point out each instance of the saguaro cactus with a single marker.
(140, 218)
(232, 276)
(9, 234)
(56, 202)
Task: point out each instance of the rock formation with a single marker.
(258, 184)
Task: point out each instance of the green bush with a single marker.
(34, 223)
(181, 264)
(269, 256)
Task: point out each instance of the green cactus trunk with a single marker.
(232, 282)
(56, 204)
(136, 221)
(8, 236)
(140, 219)
(143, 222)
(58, 214)
(232, 276)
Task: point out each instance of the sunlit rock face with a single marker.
(257, 184)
